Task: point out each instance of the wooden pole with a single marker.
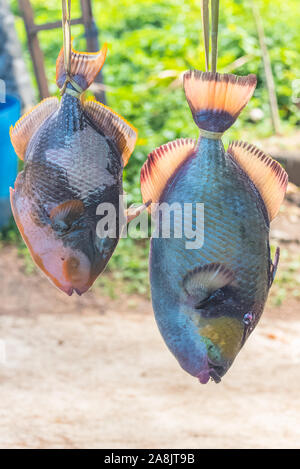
(37, 56)
(91, 34)
(34, 48)
(268, 69)
(53, 25)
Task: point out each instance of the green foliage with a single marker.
(9, 234)
(151, 42)
(127, 270)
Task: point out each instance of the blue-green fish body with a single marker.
(209, 293)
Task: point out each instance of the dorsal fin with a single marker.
(115, 127)
(25, 127)
(161, 164)
(268, 175)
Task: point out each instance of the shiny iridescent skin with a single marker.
(236, 234)
(68, 158)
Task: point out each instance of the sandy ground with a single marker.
(88, 372)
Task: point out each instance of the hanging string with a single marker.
(214, 32)
(67, 41)
(205, 25)
(66, 26)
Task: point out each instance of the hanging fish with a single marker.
(208, 300)
(74, 152)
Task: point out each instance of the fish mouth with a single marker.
(70, 290)
(216, 371)
(213, 371)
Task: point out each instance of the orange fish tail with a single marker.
(85, 66)
(215, 99)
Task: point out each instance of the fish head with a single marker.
(223, 338)
(204, 346)
(202, 321)
(63, 244)
(213, 303)
(85, 257)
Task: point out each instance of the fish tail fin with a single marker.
(85, 66)
(215, 99)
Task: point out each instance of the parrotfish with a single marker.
(74, 151)
(207, 300)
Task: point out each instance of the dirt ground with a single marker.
(89, 372)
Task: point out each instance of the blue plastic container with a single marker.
(9, 114)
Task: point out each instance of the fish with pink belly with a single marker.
(74, 152)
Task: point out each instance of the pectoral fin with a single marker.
(25, 127)
(203, 281)
(267, 174)
(66, 213)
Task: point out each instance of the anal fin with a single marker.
(161, 164)
(267, 174)
(113, 126)
(25, 127)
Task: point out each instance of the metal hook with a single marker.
(66, 27)
(205, 25)
(214, 32)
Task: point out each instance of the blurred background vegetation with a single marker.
(150, 44)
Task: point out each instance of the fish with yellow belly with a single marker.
(208, 299)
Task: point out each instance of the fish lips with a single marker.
(213, 371)
(216, 372)
(80, 279)
(95, 255)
